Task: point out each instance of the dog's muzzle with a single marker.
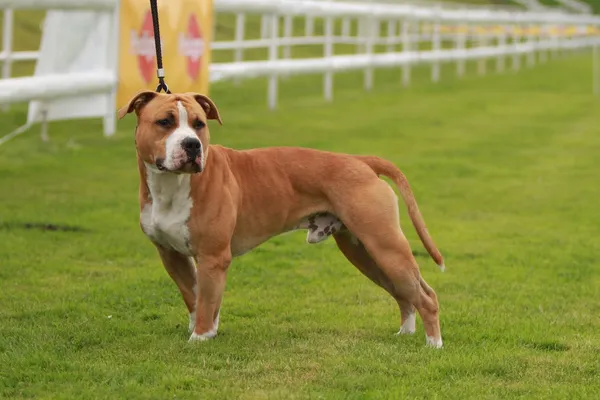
(192, 148)
(185, 158)
(193, 151)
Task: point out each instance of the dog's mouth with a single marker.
(160, 164)
(185, 167)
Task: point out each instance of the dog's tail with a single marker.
(384, 167)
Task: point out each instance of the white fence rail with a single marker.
(451, 34)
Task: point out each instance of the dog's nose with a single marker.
(191, 146)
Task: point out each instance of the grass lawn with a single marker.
(505, 169)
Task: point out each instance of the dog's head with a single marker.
(172, 129)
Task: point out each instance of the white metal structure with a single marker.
(62, 81)
(452, 35)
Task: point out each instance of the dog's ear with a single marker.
(136, 103)
(209, 107)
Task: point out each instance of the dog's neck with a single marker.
(165, 188)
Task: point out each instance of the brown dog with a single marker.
(209, 203)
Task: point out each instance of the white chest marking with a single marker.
(165, 219)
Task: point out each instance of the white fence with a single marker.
(450, 34)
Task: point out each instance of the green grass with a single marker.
(505, 169)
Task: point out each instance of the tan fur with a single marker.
(386, 168)
(243, 198)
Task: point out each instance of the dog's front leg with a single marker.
(182, 270)
(211, 274)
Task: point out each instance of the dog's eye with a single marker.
(165, 123)
(198, 124)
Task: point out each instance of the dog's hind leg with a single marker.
(356, 253)
(429, 310)
(374, 220)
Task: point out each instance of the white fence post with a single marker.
(110, 120)
(541, 37)
(7, 36)
(371, 26)
(461, 41)
(240, 27)
(44, 128)
(595, 71)
(482, 62)
(273, 50)
(531, 41)
(360, 35)
(502, 43)
(406, 47)
(328, 50)
(264, 25)
(558, 51)
(436, 45)
(565, 39)
(391, 35)
(346, 27)
(516, 40)
(287, 34)
(309, 26)
(551, 35)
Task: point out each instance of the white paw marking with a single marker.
(210, 334)
(409, 326)
(433, 342)
(202, 337)
(442, 267)
(192, 323)
(216, 323)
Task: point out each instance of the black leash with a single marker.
(160, 72)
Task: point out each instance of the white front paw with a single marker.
(433, 342)
(202, 337)
(192, 323)
(409, 326)
(216, 323)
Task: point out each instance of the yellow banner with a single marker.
(185, 29)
